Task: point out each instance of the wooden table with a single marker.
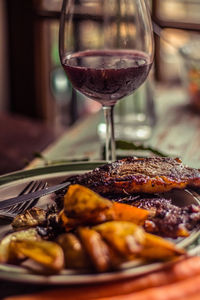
(176, 133)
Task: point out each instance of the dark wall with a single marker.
(20, 15)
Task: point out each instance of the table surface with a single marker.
(177, 133)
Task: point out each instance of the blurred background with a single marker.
(33, 84)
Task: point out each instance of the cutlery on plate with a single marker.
(33, 195)
(11, 212)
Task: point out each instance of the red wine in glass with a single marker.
(107, 76)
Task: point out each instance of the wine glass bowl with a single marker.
(106, 49)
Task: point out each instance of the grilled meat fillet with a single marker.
(139, 175)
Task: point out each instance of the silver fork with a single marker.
(11, 212)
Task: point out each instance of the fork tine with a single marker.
(20, 207)
(11, 212)
(27, 189)
(33, 202)
(35, 186)
(28, 204)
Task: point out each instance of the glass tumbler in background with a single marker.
(191, 62)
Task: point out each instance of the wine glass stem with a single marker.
(110, 135)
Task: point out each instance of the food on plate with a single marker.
(97, 249)
(99, 245)
(170, 220)
(32, 217)
(75, 254)
(165, 218)
(83, 203)
(82, 206)
(125, 237)
(125, 212)
(128, 238)
(156, 247)
(20, 245)
(6, 255)
(46, 253)
(159, 215)
(139, 175)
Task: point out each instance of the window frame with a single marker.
(163, 24)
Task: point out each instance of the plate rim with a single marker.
(21, 174)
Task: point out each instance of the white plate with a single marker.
(12, 184)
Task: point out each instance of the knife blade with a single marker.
(30, 196)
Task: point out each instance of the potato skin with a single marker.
(125, 237)
(82, 202)
(74, 252)
(6, 253)
(96, 248)
(47, 254)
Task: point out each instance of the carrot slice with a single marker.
(125, 212)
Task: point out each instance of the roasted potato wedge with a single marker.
(81, 202)
(125, 237)
(96, 248)
(88, 208)
(48, 254)
(74, 252)
(30, 218)
(68, 223)
(6, 255)
(158, 248)
(72, 223)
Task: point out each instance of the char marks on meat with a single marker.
(139, 175)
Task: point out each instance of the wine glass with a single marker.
(106, 49)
